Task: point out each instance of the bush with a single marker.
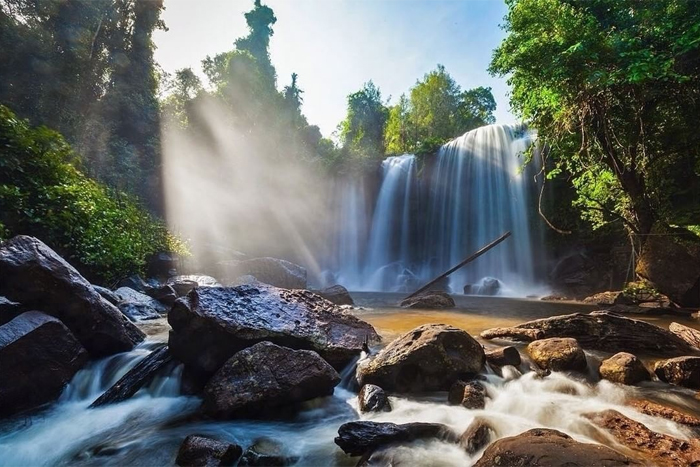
(106, 234)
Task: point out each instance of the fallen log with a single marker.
(135, 378)
(600, 330)
(462, 263)
(690, 335)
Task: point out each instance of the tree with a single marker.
(260, 21)
(613, 89)
(362, 131)
(397, 134)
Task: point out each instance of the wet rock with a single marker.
(550, 448)
(430, 300)
(211, 324)
(477, 436)
(358, 438)
(9, 310)
(489, 286)
(201, 451)
(107, 294)
(599, 330)
(681, 371)
(657, 410)
(470, 395)
(624, 368)
(429, 358)
(266, 453)
(272, 271)
(337, 294)
(558, 354)
(165, 294)
(260, 379)
(138, 306)
(34, 275)
(373, 399)
(672, 265)
(38, 357)
(162, 265)
(134, 282)
(662, 450)
(503, 356)
(609, 298)
(185, 283)
(690, 335)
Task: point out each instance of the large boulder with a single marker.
(682, 371)
(336, 294)
(266, 452)
(543, 447)
(138, 306)
(656, 448)
(624, 368)
(183, 284)
(469, 394)
(599, 330)
(107, 294)
(558, 354)
(358, 438)
(261, 379)
(211, 324)
(671, 263)
(272, 271)
(690, 335)
(429, 358)
(34, 275)
(200, 451)
(38, 357)
(430, 300)
(9, 310)
(503, 356)
(372, 398)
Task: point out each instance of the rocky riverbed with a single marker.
(196, 372)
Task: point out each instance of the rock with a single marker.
(672, 265)
(34, 275)
(599, 330)
(134, 282)
(107, 294)
(477, 436)
(266, 453)
(690, 335)
(9, 310)
(337, 294)
(659, 449)
(373, 399)
(608, 298)
(165, 294)
(429, 358)
(162, 265)
(503, 356)
(558, 354)
(136, 378)
(272, 271)
(657, 410)
(200, 451)
(358, 438)
(260, 379)
(488, 286)
(211, 324)
(185, 283)
(470, 395)
(681, 371)
(138, 306)
(431, 300)
(38, 357)
(624, 368)
(549, 448)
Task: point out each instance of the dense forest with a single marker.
(614, 114)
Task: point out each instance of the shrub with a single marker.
(105, 233)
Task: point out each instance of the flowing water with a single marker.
(428, 215)
(148, 429)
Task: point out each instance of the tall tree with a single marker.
(260, 21)
(613, 88)
(362, 131)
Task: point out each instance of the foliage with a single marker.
(613, 88)
(85, 68)
(362, 131)
(42, 193)
(436, 111)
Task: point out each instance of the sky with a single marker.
(337, 45)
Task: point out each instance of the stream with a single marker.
(148, 429)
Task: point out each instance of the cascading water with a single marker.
(470, 193)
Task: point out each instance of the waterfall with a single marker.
(426, 220)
